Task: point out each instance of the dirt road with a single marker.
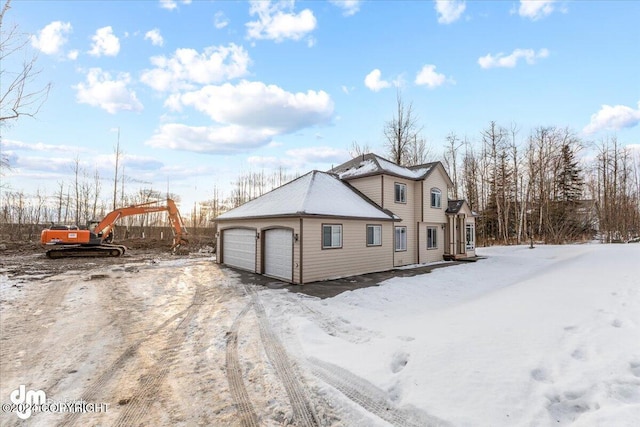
(150, 339)
(159, 340)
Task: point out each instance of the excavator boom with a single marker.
(73, 242)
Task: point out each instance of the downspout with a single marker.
(418, 242)
(422, 200)
(300, 243)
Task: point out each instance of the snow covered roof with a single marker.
(454, 206)
(316, 193)
(372, 164)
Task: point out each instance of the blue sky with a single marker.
(204, 90)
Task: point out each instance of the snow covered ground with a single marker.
(549, 336)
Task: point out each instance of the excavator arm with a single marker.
(105, 227)
(74, 242)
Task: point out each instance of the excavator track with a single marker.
(86, 251)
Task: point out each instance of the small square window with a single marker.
(374, 235)
(331, 236)
(400, 193)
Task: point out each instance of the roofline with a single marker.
(383, 171)
(306, 215)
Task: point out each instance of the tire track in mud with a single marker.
(135, 405)
(369, 397)
(237, 388)
(286, 369)
(135, 408)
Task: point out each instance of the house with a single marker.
(363, 216)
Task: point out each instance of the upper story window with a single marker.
(436, 198)
(374, 235)
(331, 236)
(400, 193)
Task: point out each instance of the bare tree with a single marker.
(400, 131)
(117, 153)
(417, 152)
(17, 95)
(451, 159)
(357, 150)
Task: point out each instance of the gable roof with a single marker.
(372, 164)
(455, 206)
(316, 193)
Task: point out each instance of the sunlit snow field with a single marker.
(544, 336)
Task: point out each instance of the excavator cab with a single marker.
(93, 224)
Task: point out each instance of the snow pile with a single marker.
(549, 336)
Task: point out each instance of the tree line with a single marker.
(549, 186)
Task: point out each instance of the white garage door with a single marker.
(278, 254)
(239, 248)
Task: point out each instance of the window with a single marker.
(331, 236)
(436, 198)
(401, 193)
(401, 239)
(432, 237)
(374, 235)
(471, 236)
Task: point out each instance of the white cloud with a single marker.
(73, 55)
(349, 7)
(428, 76)
(39, 146)
(104, 43)
(615, 117)
(373, 81)
(510, 61)
(112, 95)
(220, 20)
(449, 10)
(255, 105)
(155, 37)
(187, 67)
(172, 4)
(209, 139)
(51, 38)
(276, 21)
(535, 9)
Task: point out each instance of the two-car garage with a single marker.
(239, 249)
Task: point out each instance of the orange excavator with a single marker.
(96, 240)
